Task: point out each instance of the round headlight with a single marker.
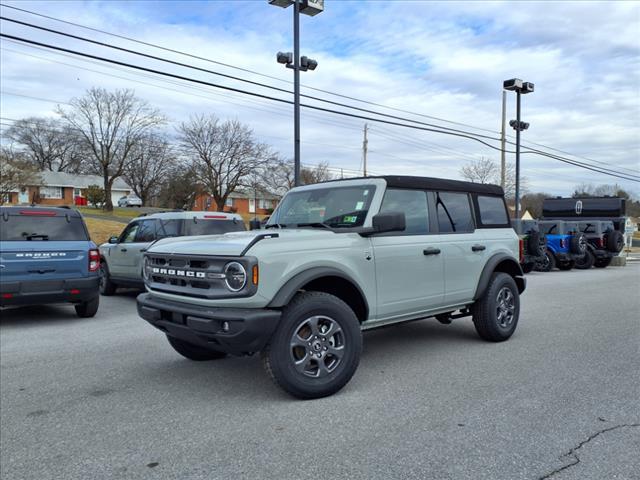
(235, 276)
(146, 267)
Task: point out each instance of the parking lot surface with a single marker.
(108, 398)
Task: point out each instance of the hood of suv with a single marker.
(234, 243)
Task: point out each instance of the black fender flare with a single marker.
(295, 283)
(507, 264)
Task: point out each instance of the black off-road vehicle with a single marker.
(603, 243)
(532, 243)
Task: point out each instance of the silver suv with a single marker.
(121, 257)
(334, 259)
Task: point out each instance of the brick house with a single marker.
(247, 203)
(61, 188)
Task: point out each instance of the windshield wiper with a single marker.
(275, 225)
(314, 225)
(35, 235)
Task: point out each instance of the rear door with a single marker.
(42, 245)
(409, 265)
(464, 251)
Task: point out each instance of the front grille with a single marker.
(193, 276)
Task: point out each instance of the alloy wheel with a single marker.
(505, 307)
(317, 346)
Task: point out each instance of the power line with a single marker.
(281, 80)
(313, 107)
(244, 69)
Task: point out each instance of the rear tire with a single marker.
(585, 262)
(88, 309)
(107, 287)
(316, 348)
(496, 314)
(566, 266)
(615, 241)
(194, 352)
(602, 262)
(528, 267)
(547, 264)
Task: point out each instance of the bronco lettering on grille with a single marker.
(178, 273)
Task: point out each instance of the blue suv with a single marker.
(565, 245)
(46, 256)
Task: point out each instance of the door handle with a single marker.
(431, 251)
(123, 249)
(478, 248)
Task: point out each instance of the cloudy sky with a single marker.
(442, 61)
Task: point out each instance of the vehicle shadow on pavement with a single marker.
(38, 314)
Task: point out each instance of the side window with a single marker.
(146, 231)
(168, 228)
(413, 203)
(492, 211)
(454, 212)
(129, 234)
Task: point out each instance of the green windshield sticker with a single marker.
(359, 205)
(349, 219)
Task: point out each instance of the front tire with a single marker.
(585, 262)
(88, 309)
(194, 352)
(496, 314)
(602, 263)
(316, 348)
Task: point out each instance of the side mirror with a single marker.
(389, 222)
(113, 240)
(254, 224)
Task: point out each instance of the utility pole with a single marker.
(518, 154)
(503, 142)
(365, 143)
(296, 93)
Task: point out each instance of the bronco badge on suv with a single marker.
(337, 258)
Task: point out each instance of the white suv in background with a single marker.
(130, 201)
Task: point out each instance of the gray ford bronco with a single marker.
(337, 258)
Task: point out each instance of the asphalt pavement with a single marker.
(108, 398)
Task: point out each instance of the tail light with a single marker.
(38, 213)
(94, 260)
(599, 242)
(521, 248)
(562, 243)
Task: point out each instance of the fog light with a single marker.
(225, 326)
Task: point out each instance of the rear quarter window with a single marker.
(493, 213)
(208, 226)
(15, 228)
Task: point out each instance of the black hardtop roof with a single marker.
(432, 183)
(59, 211)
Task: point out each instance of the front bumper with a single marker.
(249, 329)
(42, 292)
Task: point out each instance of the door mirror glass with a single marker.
(113, 240)
(389, 222)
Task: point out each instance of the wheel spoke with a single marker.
(337, 352)
(313, 325)
(323, 371)
(301, 365)
(333, 329)
(298, 341)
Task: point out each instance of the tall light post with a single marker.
(298, 64)
(520, 87)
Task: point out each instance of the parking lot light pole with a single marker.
(520, 87)
(297, 63)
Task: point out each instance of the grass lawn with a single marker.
(117, 212)
(100, 230)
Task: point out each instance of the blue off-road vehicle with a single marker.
(565, 244)
(46, 256)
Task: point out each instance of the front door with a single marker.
(409, 265)
(23, 196)
(125, 260)
(252, 205)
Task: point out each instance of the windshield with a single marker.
(24, 227)
(205, 226)
(335, 207)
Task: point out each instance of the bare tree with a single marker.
(48, 143)
(223, 154)
(110, 125)
(533, 203)
(484, 170)
(151, 159)
(15, 172)
(279, 177)
(180, 188)
(317, 174)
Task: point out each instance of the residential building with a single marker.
(246, 202)
(61, 188)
